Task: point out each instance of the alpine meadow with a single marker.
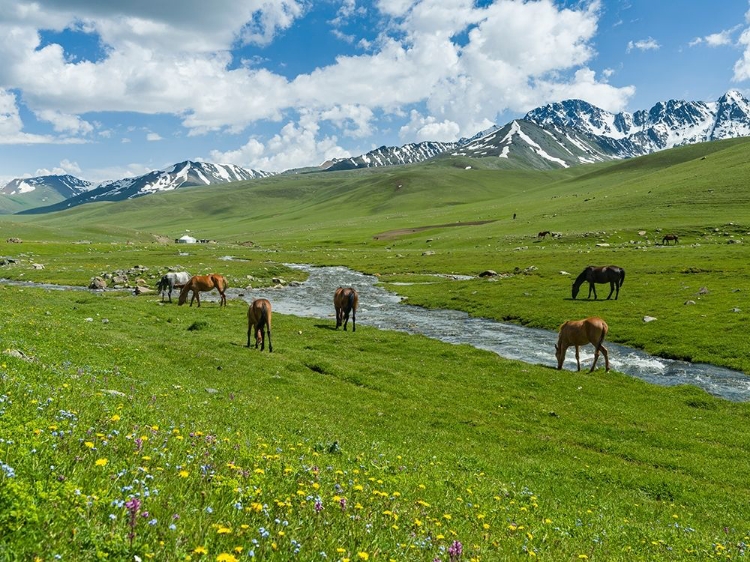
(136, 429)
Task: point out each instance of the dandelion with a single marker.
(101, 462)
(363, 556)
(89, 444)
(226, 557)
(200, 550)
(184, 474)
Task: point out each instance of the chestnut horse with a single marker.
(345, 301)
(669, 237)
(611, 274)
(204, 283)
(543, 234)
(581, 332)
(259, 315)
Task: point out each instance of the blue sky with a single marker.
(106, 90)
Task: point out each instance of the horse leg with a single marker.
(354, 320)
(268, 333)
(249, 331)
(339, 314)
(592, 287)
(617, 286)
(606, 357)
(596, 356)
(611, 290)
(578, 359)
(346, 319)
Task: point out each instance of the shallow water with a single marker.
(384, 310)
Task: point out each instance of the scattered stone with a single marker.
(735, 309)
(602, 245)
(564, 273)
(89, 319)
(113, 392)
(641, 233)
(14, 240)
(428, 253)
(488, 273)
(278, 281)
(37, 266)
(142, 290)
(689, 302)
(648, 319)
(702, 291)
(212, 391)
(97, 283)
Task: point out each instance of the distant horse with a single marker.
(259, 315)
(543, 234)
(198, 283)
(172, 281)
(581, 332)
(345, 301)
(669, 237)
(611, 274)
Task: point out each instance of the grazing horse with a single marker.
(669, 237)
(259, 315)
(346, 301)
(198, 283)
(581, 332)
(172, 281)
(611, 274)
(543, 234)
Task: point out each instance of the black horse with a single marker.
(611, 274)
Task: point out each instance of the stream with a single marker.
(384, 310)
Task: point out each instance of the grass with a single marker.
(380, 445)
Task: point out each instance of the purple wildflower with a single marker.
(455, 550)
(318, 506)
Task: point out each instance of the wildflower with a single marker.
(200, 550)
(363, 556)
(89, 444)
(224, 531)
(115, 418)
(318, 506)
(455, 550)
(184, 474)
(101, 462)
(226, 557)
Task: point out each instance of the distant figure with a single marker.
(543, 234)
(669, 237)
(514, 216)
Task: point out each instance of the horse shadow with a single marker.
(325, 327)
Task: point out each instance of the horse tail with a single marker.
(160, 286)
(622, 276)
(605, 328)
(351, 301)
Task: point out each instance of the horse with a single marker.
(543, 234)
(581, 332)
(259, 315)
(611, 274)
(346, 301)
(669, 237)
(172, 281)
(198, 283)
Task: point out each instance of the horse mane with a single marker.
(582, 276)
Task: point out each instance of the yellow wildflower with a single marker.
(200, 550)
(101, 462)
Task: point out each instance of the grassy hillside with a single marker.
(379, 445)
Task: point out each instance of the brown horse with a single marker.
(611, 274)
(345, 301)
(204, 283)
(259, 315)
(543, 234)
(581, 332)
(669, 237)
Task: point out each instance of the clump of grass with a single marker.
(198, 325)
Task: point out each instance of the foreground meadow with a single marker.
(131, 428)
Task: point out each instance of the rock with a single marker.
(702, 291)
(428, 253)
(735, 309)
(564, 273)
(641, 233)
(14, 240)
(37, 266)
(17, 354)
(212, 391)
(142, 290)
(648, 319)
(602, 245)
(689, 302)
(97, 283)
(113, 392)
(278, 281)
(488, 273)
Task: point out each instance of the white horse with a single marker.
(170, 281)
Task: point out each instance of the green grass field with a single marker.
(134, 428)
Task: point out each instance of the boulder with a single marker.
(97, 283)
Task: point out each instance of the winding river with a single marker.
(384, 310)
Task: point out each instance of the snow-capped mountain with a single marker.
(391, 156)
(24, 193)
(665, 125)
(182, 175)
(66, 186)
(524, 144)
